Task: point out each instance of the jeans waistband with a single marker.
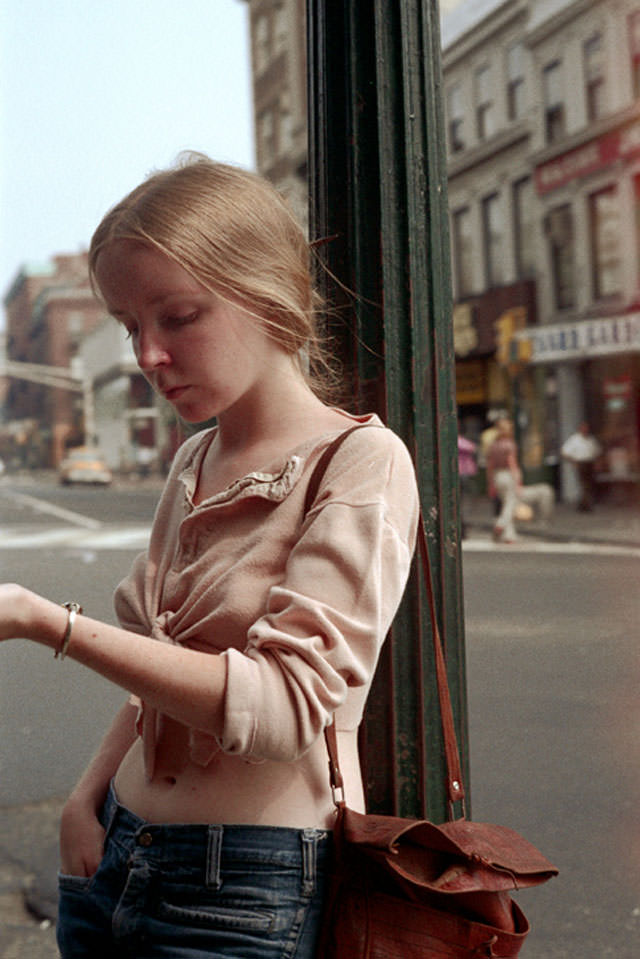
(206, 845)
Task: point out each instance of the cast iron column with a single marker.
(379, 200)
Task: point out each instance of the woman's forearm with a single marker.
(183, 683)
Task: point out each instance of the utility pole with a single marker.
(379, 202)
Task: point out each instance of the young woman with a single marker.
(202, 826)
(504, 479)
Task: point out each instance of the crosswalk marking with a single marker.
(43, 506)
(136, 537)
(106, 537)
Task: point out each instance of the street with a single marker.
(552, 660)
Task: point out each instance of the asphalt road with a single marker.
(553, 680)
(553, 671)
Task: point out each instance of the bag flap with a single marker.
(456, 857)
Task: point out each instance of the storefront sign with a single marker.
(471, 382)
(588, 158)
(588, 338)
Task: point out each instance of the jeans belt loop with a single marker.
(214, 856)
(309, 840)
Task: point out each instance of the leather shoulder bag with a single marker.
(412, 889)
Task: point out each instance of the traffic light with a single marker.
(506, 326)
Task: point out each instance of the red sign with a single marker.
(588, 158)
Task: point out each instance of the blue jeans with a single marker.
(191, 891)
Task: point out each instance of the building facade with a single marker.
(278, 61)
(54, 321)
(543, 136)
(49, 310)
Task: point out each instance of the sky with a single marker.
(95, 94)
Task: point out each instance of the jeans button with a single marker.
(145, 839)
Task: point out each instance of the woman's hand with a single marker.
(81, 839)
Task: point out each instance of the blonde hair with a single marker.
(234, 233)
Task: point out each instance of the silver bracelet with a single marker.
(73, 609)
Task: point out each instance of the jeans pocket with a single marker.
(68, 883)
(229, 916)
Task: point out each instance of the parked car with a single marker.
(85, 464)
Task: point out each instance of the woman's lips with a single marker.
(173, 392)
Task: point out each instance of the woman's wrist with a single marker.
(45, 621)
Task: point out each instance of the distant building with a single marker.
(278, 59)
(543, 138)
(49, 309)
(54, 320)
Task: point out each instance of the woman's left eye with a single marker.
(182, 320)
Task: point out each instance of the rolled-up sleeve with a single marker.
(321, 634)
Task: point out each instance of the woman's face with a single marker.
(202, 354)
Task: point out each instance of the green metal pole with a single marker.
(378, 196)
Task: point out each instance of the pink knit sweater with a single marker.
(298, 605)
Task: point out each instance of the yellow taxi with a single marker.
(84, 464)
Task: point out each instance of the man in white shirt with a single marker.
(582, 449)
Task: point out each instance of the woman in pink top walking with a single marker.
(202, 826)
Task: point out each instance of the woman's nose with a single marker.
(150, 351)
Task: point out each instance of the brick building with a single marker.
(49, 310)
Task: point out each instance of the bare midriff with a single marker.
(232, 790)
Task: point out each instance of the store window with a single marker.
(463, 251)
(523, 227)
(515, 82)
(634, 41)
(554, 108)
(485, 107)
(604, 226)
(455, 118)
(559, 230)
(594, 77)
(493, 240)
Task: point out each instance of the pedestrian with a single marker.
(504, 479)
(202, 827)
(467, 469)
(487, 437)
(582, 449)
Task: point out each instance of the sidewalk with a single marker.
(605, 524)
(28, 834)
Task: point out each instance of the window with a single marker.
(604, 224)
(463, 251)
(455, 118)
(634, 41)
(559, 229)
(485, 109)
(515, 82)
(493, 240)
(286, 129)
(523, 227)
(553, 84)
(280, 29)
(594, 77)
(262, 42)
(266, 137)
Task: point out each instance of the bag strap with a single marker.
(454, 785)
(321, 466)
